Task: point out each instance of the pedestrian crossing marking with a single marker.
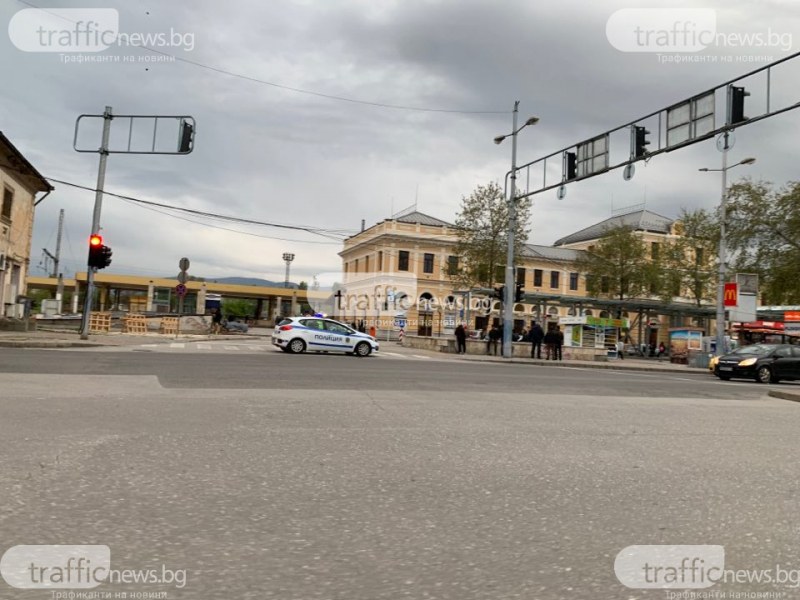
(177, 345)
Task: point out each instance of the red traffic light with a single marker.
(96, 240)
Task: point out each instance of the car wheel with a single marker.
(297, 346)
(724, 377)
(363, 349)
(764, 375)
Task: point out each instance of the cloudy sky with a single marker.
(267, 153)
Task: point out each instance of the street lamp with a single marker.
(508, 305)
(722, 258)
(288, 257)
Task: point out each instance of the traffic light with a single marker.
(518, 292)
(500, 292)
(737, 96)
(640, 141)
(571, 165)
(186, 142)
(99, 254)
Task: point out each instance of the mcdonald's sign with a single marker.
(731, 296)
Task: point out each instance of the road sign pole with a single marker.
(98, 205)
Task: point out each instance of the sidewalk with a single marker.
(71, 339)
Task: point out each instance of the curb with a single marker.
(47, 344)
(791, 396)
(586, 365)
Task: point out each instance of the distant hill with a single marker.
(251, 281)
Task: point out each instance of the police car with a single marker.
(315, 334)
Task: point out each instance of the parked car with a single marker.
(300, 334)
(766, 363)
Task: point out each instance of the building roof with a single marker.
(421, 218)
(550, 253)
(640, 220)
(13, 159)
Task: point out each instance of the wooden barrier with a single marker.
(135, 324)
(99, 322)
(169, 325)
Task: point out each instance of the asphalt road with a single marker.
(298, 477)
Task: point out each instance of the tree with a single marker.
(303, 285)
(238, 307)
(482, 225)
(763, 237)
(618, 266)
(688, 261)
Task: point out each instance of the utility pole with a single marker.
(98, 205)
(57, 258)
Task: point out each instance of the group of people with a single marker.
(553, 342)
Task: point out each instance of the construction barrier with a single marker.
(99, 322)
(135, 324)
(169, 325)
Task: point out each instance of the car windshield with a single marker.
(757, 349)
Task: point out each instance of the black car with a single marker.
(766, 363)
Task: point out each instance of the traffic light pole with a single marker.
(508, 304)
(722, 258)
(98, 205)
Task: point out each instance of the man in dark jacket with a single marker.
(493, 337)
(537, 336)
(461, 339)
(558, 342)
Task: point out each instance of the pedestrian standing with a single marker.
(216, 320)
(461, 339)
(559, 343)
(493, 337)
(537, 336)
(621, 349)
(549, 344)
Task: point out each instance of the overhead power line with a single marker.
(297, 90)
(334, 234)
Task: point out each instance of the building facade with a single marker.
(421, 249)
(19, 184)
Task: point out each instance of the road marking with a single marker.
(231, 347)
(204, 346)
(420, 356)
(177, 345)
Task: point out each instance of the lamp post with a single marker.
(722, 257)
(508, 305)
(288, 257)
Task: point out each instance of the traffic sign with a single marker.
(400, 322)
(180, 289)
(182, 277)
(184, 264)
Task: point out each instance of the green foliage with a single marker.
(238, 307)
(763, 236)
(687, 262)
(482, 225)
(303, 285)
(618, 266)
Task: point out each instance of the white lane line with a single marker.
(204, 346)
(391, 354)
(231, 347)
(149, 345)
(177, 345)
(421, 356)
